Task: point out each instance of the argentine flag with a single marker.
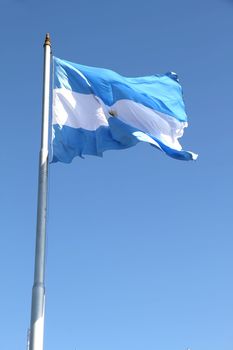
(96, 109)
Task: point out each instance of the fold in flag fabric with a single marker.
(96, 109)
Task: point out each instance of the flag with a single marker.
(96, 109)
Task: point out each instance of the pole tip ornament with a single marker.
(47, 40)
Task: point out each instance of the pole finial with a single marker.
(47, 40)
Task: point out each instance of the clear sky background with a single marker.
(139, 253)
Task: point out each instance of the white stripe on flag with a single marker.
(89, 112)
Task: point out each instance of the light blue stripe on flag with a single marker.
(160, 92)
(96, 109)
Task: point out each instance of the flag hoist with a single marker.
(95, 110)
(38, 290)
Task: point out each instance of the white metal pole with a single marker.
(38, 290)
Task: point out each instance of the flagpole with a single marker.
(38, 290)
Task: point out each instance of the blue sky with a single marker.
(139, 252)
